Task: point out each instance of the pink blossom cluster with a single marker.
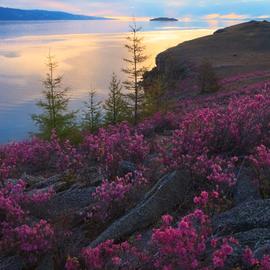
(67, 158)
(38, 156)
(112, 196)
(261, 158)
(33, 241)
(17, 233)
(112, 145)
(206, 133)
(72, 263)
(205, 198)
(211, 134)
(158, 122)
(182, 247)
(113, 256)
(249, 259)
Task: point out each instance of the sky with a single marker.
(213, 9)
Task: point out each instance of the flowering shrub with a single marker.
(261, 163)
(72, 264)
(210, 136)
(38, 156)
(245, 76)
(113, 196)
(182, 247)
(111, 146)
(158, 122)
(113, 256)
(249, 259)
(30, 241)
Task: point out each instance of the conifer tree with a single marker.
(54, 105)
(207, 79)
(116, 107)
(92, 113)
(155, 98)
(135, 70)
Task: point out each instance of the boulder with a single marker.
(245, 217)
(126, 167)
(262, 249)
(64, 203)
(252, 237)
(46, 263)
(11, 263)
(39, 182)
(245, 189)
(170, 191)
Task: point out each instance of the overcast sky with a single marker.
(150, 8)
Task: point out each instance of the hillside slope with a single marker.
(234, 50)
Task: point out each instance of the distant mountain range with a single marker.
(11, 14)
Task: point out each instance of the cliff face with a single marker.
(234, 50)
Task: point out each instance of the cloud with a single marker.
(40, 4)
(148, 8)
(230, 16)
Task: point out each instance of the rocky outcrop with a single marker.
(170, 191)
(245, 217)
(11, 263)
(249, 223)
(246, 189)
(247, 41)
(65, 203)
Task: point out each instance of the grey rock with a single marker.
(126, 167)
(170, 191)
(64, 203)
(11, 263)
(252, 237)
(246, 216)
(262, 249)
(47, 263)
(43, 182)
(249, 238)
(246, 189)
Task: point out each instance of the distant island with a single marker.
(164, 19)
(11, 14)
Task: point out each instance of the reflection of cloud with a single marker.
(17, 80)
(129, 18)
(186, 19)
(170, 28)
(263, 17)
(214, 19)
(230, 16)
(9, 54)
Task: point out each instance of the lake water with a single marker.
(87, 52)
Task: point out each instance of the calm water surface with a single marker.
(87, 51)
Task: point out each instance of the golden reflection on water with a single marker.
(86, 60)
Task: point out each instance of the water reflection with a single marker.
(85, 60)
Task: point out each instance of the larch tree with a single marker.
(135, 70)
(207, 78)
(92, 114)
(155, 98)
(116, 107)
(54, 105)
